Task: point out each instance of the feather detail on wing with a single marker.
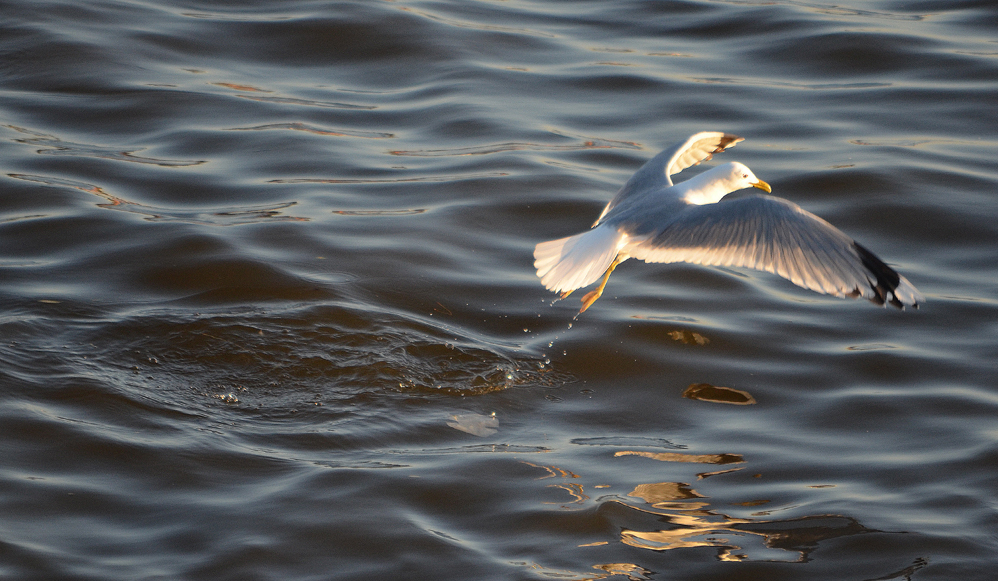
(777, 236)
(570, 263)
(699, 147)
(656, 171)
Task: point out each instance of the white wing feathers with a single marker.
(699, 147)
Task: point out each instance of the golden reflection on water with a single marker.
(681, 517)
(689, 337)
(678, 457)
(629, 571)
(736, 539)
(693, 523)
(573, 489)
(663, 495)
(717, 394)
(554, 471)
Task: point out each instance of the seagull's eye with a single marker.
(745, 176)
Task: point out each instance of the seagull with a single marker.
(654, 220)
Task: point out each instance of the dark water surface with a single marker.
(268, 311)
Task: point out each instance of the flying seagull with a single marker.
(654, 220)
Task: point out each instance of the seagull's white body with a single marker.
(654, 220)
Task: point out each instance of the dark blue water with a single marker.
(268, 310)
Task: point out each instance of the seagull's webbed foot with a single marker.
(591, 296)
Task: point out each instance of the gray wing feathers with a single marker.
(777, 236)
(656, 171)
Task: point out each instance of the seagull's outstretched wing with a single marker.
(656, 171)
(777, 236)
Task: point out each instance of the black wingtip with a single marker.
(727, 140)
(887, 278)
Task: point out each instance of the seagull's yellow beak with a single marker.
(763, 186)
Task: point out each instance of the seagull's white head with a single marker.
(712, 185)
(740, 177)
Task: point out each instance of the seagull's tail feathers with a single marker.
(570, 263)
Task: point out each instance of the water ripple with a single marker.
(56, 146)
(437, 178)
(595, 143)
(229, 216)
(338, 132)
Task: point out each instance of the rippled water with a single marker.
(268, 311)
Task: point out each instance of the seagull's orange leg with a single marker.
(591, 297)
